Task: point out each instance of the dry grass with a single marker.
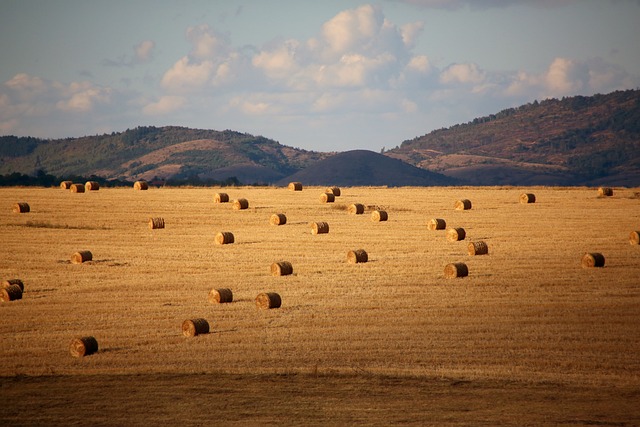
(529, 326)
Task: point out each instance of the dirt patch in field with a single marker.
(201, 399)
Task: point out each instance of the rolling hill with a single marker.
(573, 141)
(366, 168)
(163, 152)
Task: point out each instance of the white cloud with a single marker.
(186, 76)
(462, 73)
(166, 104)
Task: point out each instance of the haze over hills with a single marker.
(573, 141)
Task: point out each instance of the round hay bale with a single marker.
(240, 204)
(456, 234)
(140, 185)
(605, 191)
(10, 293)
(268, 300)
(334, 190)
(224, 238)
(456, 269)
(193, 327)
(21, 207)
(478, 248)
(220, 296)
(281, 268)
(634, 237)
(278, 219)
(92, 185)
(85, 346)
(356, 209)
(592, 259)
(357, 256)
(295, 186)
(12, 282)
(155, 223)
(81, 256)
(437, 224)
(378, 216)
(462, 205)
(527, 198)
(65, 185)
(221, 198)
(327, 198)
(77, 188)
(319, 227)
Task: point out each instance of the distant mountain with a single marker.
(163, 152)
(363, 168)
(578, 140)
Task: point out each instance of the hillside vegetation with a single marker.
(575, 140)
(145, 152)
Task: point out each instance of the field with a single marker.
(530, 337)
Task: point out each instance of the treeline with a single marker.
(43, 179)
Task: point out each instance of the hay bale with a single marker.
(140, 185)
(527, 198)
(21, 207)
(278, 219)
(357, 256)
(281, 268)
(65, 185)
(84, 346)
(12, 282)
(456, 234)
(240, 204)
(268, 300)
(81, 256)
(592, 259)
(193, 327)
(11, 293)
(155, 223)
(356, 209)
(224, 238)
(378, 216)
(605, 191)
(319, 227)
(92, 185)
(462, 205)
(327, 198)
(437, 224)
(295, 186)
(456, 269)
(478, 248)
(634, 237)
(221, 198)
(220, 296)
(334, 190)
(77, 188)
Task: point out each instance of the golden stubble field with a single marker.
(529, 337)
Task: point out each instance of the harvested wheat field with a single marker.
(529, 337)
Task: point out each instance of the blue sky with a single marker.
(320, 75)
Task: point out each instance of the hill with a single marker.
(164, 152)
(366, 168)
(573, 141)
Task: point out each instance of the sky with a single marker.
(330, 75)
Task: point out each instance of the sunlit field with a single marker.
(529, 337)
